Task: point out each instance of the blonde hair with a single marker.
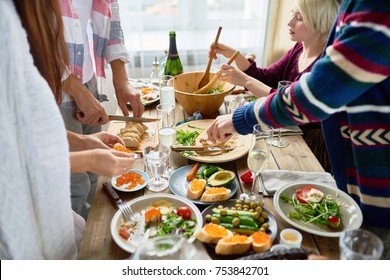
(318, 15)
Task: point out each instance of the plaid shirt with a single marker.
(107, 44)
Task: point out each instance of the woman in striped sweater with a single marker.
(348, 90)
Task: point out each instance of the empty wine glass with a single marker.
(166, 128)
(156, 161)
(257, 158)
(279, 142)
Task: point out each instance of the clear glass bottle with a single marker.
(173, 64)
(163, 60)
(154, 77)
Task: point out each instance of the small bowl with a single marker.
(207, 104)
(290, 238)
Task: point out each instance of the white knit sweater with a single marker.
(36, 220)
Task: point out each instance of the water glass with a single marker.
(167, 91)
(232, 102)
(258, 158)
(279, 142)
(156, 162)
(360, 245)
(166, 128)
(167, 247)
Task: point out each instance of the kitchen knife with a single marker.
(200, 148)
(131, 119)
(112, 193)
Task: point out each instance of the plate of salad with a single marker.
(162, 213)
(317, 209)
(188, 134)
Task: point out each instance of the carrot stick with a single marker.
(191, 174)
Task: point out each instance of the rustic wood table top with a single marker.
(97, 243)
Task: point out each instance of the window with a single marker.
(146, 24)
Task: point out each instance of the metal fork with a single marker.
(124, 207)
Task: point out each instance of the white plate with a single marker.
(140, 203)
(139, 85)
(351, 214)
(122, 188)
(178, 184)
(243, 143)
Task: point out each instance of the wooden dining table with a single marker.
(97, 242)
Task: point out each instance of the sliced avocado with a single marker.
(221, 178)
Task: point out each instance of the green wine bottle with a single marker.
(173, 64)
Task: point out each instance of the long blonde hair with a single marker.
(43, 23)
(318, 15)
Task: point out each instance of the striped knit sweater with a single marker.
(349, 91)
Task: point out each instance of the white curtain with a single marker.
(146, 25)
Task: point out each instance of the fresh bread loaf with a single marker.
(132, 134)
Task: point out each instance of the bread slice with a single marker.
(211, 233)
(261, 242)
(196, 188)
(233, 245)
(216, 194)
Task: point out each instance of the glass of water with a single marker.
(167, 91)
(166, 128)
(156, 161)
(258, 158)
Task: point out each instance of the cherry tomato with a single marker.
(302, 194)
(246, 177)
(124, 233)
(184, 212)
(334, 221)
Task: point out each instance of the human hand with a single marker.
(109, 162)
(221, 129)
(125, 93)
(90, 111)
(101, 140)
(233, 75)
(222, 49)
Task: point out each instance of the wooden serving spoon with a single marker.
(206, 88)
(206, 75)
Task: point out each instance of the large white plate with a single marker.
(178, 184)
(273, 227)
(243, 144)
(351, 214)
(139, 204)
(122, 188)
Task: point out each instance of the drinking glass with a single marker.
(360, 245)
(279, 142)
(257, 158)
(156, 161)
(166, 129)
(167, 91)
(232, 102)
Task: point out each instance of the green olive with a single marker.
(233, 208)
(235, 214)
(208, 218)
(262, 229)
(265, 225)
(247, 202)
(253, 205)
(220, 207)
(215, 220)
(223, 212)
(251, 210)
(264, 215)
(239, 208)
(259, 209)
(236, 222)
(238, 201)
(255, 215)
(261, 219)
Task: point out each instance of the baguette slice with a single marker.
(216, 194)
(233, 245)
(211, 233)
(261, 242)
(196, 188)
